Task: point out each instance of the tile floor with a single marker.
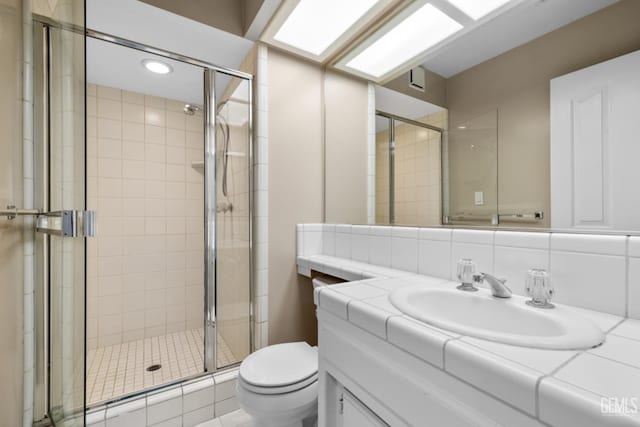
(119, 370)
(237, 418)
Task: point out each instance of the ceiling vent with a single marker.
(417, 79)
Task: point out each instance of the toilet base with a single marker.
(296, 409)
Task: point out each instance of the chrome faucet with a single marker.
(498, 287)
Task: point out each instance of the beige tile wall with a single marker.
(382, 177)
(417, 177)
(145, 269)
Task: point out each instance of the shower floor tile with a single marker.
(121, 369)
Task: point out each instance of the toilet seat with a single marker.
(279, 390)
(280, 368)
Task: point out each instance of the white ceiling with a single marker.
(390, 101)
(519, 25)
(113, 65)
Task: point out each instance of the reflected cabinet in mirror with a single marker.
(528, 121)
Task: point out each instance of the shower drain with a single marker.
(153, 367)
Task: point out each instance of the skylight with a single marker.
(402, 41)
(314, 25)
(476, 9)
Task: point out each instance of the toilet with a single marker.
(278, 385)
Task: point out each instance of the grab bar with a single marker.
(11, 212)
(536, 216)
(496, 218)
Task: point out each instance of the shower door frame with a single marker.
(210, 195)
(392, 154)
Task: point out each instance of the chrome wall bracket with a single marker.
(66, 223)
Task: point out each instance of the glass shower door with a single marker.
(408, 177)
(233, 220)
(228, 323)
(417, 177)
(66, 192)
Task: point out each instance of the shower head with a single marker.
(191, 109)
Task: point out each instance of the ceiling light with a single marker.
(156, 66)
(314, 25)
(411, 33)
(477, 9)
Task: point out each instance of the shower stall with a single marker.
(142, 190)
(170, 180)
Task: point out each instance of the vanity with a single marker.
(380, 366)
(527, 164)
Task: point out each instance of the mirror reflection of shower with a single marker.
(222, 124)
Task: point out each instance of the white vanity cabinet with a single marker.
(365, 381)
(352, 412)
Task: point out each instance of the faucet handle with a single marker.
(539, 288)
(466, 272)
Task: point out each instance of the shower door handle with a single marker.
(65, 223)
(68, 223)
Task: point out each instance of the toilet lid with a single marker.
(280, 365)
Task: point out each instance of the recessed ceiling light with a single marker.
(477, 9)
(416, 30)
(314, 25)
(462, 127)
(156, 66)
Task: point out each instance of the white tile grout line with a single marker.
(562, 365)
(444, 348)
(536, 389)
(626, 277)
(261, 94)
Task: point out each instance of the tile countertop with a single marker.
(560, 388)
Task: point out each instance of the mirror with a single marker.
(529, 121)
(408, 147)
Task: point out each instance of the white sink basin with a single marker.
(505, 320)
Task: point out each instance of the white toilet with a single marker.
(278, 385)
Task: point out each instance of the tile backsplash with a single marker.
(595, 271)
(144, 274)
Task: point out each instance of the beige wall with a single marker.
(232, 16)
(295, 189)
(11, 264)
(299, 134)
(516, 84)
(144, 268)
(346, 150)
